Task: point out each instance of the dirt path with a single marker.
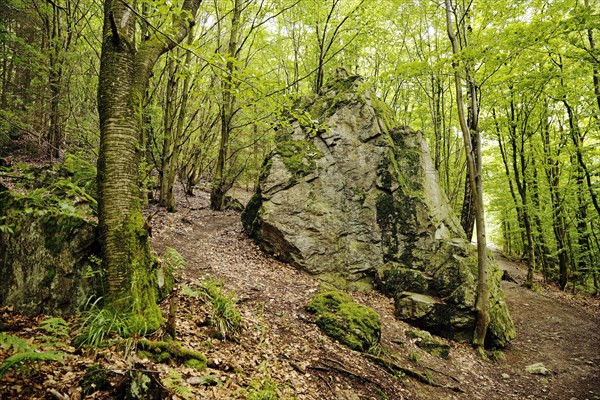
(282, 343)
(564, 337)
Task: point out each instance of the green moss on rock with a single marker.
(394, 278)
(426, 342)
(352, 324)
(298, 155)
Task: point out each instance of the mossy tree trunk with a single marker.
(124, 73)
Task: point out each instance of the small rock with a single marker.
(538, 369)
(505, 376)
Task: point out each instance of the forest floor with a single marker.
(281, 351)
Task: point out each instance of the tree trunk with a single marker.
(558, 221)
(171, 158)
(474, 165)
(166, 187)
(543, 246)
(467, 214)
(124, 75)
(220, 184)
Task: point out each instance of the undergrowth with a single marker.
(100, 326)
(26, 354)
(224, 315)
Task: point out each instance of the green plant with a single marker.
(224, 315)
(172, 260)
(175, 383)
(497, 355)
(25, 355)
(55, 326)
(100, 324)
(413, 356)
(4, 228)
(264, 389)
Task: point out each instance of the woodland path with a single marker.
(281, 341)
(565, 337)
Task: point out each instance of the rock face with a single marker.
(44, 266)
(350, 198)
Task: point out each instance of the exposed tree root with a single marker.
(173, 348)
(395, 368)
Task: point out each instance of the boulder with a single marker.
(44, 263)
(339, 316)
(351, 198)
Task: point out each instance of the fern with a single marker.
(11, 341)
(25, 354)
(188, 291)
(21, 362)
(55, 326)
(175, 383)
(172, 260)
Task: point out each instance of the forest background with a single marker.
(530, 72)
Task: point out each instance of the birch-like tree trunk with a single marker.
(474, 168)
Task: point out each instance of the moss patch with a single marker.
(426, 342)
(352, 324)
(167, 350)
(298, 155)
(138, 296)
(395, 278)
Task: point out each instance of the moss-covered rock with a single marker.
(355, 325)
(47, 263)
(298, 155)
(425, 341)
(394, 278)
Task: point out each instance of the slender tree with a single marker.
(474, 166)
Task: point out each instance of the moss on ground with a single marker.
(163, 351)
(352, 324)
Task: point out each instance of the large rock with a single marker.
(350, 198)
(44, 255)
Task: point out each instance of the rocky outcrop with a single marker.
(44, 255)
(356, 201)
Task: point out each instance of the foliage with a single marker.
(264, 387)
(176, 384)
(224, 315)
(82, 172)
(100, 325)
(6, 228)
(173, 260)
(414, 357)
(25, 354)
